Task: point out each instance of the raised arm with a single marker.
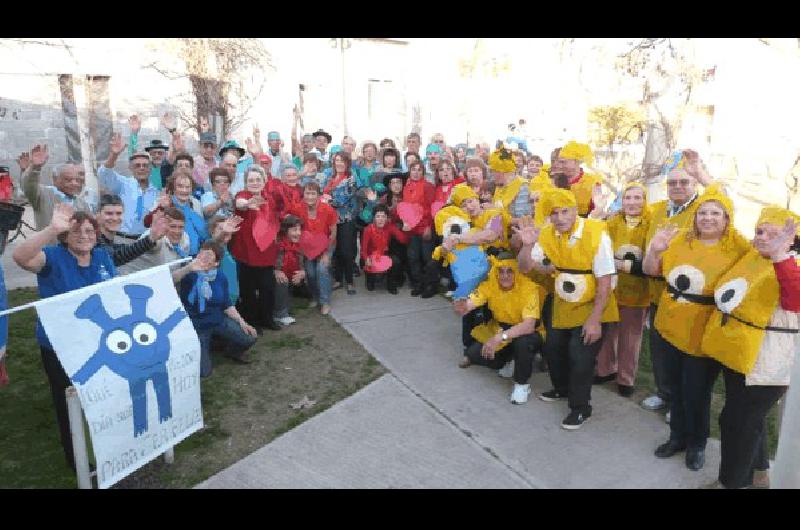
(29, 254)
(660, 242)
(31, 178)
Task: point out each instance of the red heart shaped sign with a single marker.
(265, 228)
(435, 207)
(313, 244)
(410, 213)
(379, 264)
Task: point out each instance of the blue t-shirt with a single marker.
(220, 301)
(62, 274)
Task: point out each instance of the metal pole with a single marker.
(169, 456)
(344, 97)
(78, 439)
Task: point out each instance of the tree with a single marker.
(611, 125)
(226, 77)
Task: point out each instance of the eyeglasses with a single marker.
(143, 164)
(675, 183)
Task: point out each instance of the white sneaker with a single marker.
(654, 403)
(507, 371)
(286, 320)
(520, 394)
(666, 417)
(449, 294)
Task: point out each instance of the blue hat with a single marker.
(335, 149)
(433, 148)
(273, 135)
(469, 269)
(232, 144)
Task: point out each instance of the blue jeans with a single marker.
(236, 340)
(318, 278)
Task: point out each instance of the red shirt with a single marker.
(326, 217)
(420, 192)
(291, 194)
(376, 240)
(290, 254)
(788, 274)
(443, 190)
(243, 245)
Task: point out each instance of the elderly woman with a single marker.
(74, 261)
(218, 201)
(511, 333)
(419, 191)
(692, 263)
(753, 332)
(476, 173)
(178, 194)
(619, 355)
(342, 190)
(255, 247)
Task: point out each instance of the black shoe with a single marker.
(625, 390)
(575, 419)
(241, 359)
(695, 459)
(669, 449)
(428, 292)
(416, 291)
(370, 286)
(599, 380)
(356, 271)
(392, 290)
(274, 326)
(552, 395)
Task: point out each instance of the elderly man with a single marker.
(161, 164)
(279, 158)
(206, 160)
(433, 157)
(306, 145)
(68, 186)
(570, 158)
(684, 172)
(137, 193)
(511, 192)
(413, 144)
(579, 251)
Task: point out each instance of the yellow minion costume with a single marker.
(746, 299)
(502, 161)
(575, 283)
(692, 269)
(628, 235)
(539, 184)
(462, 192)
(584, 187)
(508, 307)
(444, 221)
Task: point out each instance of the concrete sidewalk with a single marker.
(432, 425)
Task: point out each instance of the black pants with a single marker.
(419, 254)
(520, 351)
(393, 275)
(477, 316)
(400, 250)
(344, 256)
(691, 384)
(743, 432)
(59, 382)
(571, 364)
(658, 358)
(257, 293)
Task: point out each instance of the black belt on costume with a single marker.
(767, 328)
(694, 298)
(505, 326)
(574, 271)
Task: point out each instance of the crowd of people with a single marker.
(549, 265)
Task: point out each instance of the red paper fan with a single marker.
(435, 207)
(265, 228)
(313, 244)
(379, 264)
(410, 213)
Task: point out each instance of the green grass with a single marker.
(644, 380)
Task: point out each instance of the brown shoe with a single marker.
(465, 363)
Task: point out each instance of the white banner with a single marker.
(131, 351)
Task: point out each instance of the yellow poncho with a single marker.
(510, 307)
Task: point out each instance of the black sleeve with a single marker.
(122, 254)
(166, 171)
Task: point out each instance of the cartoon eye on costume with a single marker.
(455, 225)
(119, 342)
(628, 252)
(144, 334)
(686, 279)
(730, 294)
(570, 287)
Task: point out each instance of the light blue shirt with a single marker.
(241, 166)
(210, 197)
(129, 191)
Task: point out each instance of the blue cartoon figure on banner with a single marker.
(136, 348)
